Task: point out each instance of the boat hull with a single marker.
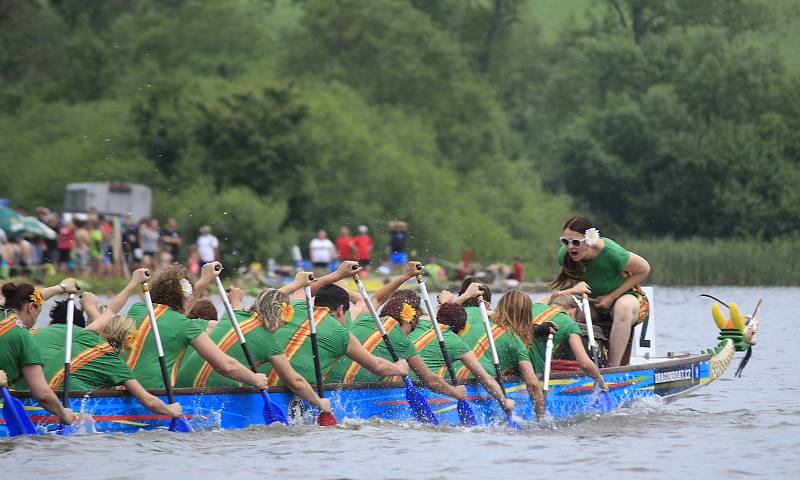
(571, 394)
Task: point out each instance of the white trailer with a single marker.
(109, 198)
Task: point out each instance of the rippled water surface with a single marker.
(734, 428)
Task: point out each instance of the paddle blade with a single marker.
(511, 422)
(466, 414)
(65, 429)
(419, 404)
(326, 419)
(17, 421)
(603, 402)
(272, 412)
(179, 424)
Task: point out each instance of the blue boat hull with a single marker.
(571, 394)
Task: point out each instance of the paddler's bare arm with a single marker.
(346, 270)
(381, 296)
(638, 268)
(3, 379)
(152, 402)
(376, 365)
(584, 361)
(534, 389)
(137, 279)
(34, 376)
(297, 383)
(433, 381)
(68, 285)
(472, 291)
(225, 364)
(471, 362)
(301, 280)
(208, 273)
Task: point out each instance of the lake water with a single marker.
(734, 428)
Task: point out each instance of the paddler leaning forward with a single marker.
(269, 312)
(96, 362)
(171, 293)
(399, 316)
(452, 317)
(19, 355)
(331, 304)
(534, 321)
(512, 353)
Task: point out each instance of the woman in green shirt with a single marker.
(96, 361)
(19, 355)
(607, 272)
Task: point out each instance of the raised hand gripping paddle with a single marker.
(272, 412)
(17, 421)
(465, 412)
(324, 419)
(485, 316)
(177, 424)
(416, 399)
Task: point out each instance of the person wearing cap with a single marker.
(363, 245)
(207, 246)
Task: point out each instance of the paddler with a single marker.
(400, 316)
(96, 361)
(452, 318)
(331, 305)
(19, 355)
(601, 268)
(270, 311)
(533, 322)
(512, 352)
(172, 295)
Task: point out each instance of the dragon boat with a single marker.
(571, 394)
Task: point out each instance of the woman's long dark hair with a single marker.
(571, 271)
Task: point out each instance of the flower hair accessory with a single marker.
(36, 297)
(591, 237)
(186, 288)
(407, 313)
(287, 311)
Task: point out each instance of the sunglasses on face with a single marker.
(575, 242)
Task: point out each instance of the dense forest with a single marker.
(269, 119)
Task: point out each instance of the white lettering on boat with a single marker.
(674, 375)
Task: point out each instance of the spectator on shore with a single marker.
(65, 243)
(193, 260)
(518, 270)
(321, 251)
(108, 249)
(363, 244)
(95, 245)
(148, 239)
(344, 245)
(82, 247)
(207, 246)
(172, 238)
(130, 242)
(397, 242)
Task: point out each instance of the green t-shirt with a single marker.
(510, 349)
(196, 372)
(365, 331)
(177, 332)
(96, 243)
(50, 341)
(94, 364)
(424, 339)
(604, 272)
(295, 340)
(566, 327)
(17, 349)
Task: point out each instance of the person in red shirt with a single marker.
(65, 243)
(363, 244)
(519, 270)
(344, 245)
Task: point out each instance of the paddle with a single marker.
(65, 429)
(485, 316)
(587, 314)
(416, 399)
(17, 421)
(325, 419)
(465, 412)
(272, 412)
(548, 359)
(177, 424)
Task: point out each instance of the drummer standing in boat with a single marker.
(610, 274)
